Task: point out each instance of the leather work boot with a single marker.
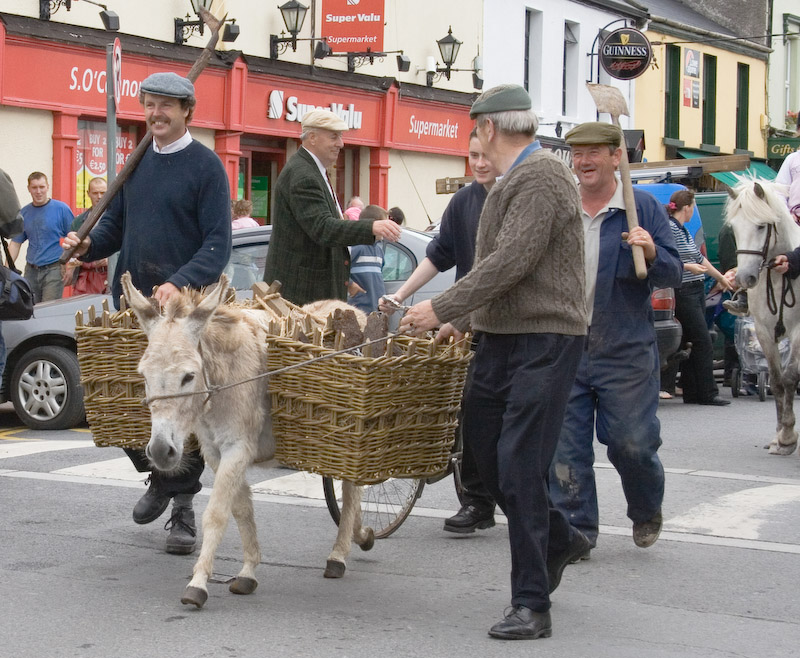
(645, 533)
(182, 530)
(737, 305)
(153, 503)
(468, 519)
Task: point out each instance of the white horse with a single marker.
(764, 229)
(200, 344)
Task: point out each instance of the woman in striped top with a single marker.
(697, 372)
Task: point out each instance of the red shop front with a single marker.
(252, 105)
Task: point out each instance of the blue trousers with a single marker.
(512, 415)
(616, 395)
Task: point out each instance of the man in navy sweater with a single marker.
(171, 224)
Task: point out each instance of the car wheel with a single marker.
(46, 389)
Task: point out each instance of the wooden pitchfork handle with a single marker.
(639, 262)
(100, 207)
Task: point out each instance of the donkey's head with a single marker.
(172, 366)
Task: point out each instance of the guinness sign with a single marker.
(625, 54)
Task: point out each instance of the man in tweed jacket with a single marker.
(308, 247)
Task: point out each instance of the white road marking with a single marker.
(299, 483)
(739, 514)
(112, 469)
(24, 448)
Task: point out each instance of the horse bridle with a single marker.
(788, 299)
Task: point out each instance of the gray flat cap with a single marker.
(595, 132)
(167, 84)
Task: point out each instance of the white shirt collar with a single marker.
(321, 166)
(178, 145)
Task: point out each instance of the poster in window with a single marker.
(691, 62)
(687, 92)
(91, 155)
(695, 93)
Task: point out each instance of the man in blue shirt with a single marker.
(46, 222)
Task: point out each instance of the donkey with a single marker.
(194, 350)
(760, 219)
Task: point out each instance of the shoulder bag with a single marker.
(16, 296)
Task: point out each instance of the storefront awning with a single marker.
(757, 169)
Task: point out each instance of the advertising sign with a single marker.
(353, 25)
(625, 54)
(691, 62)
(91, 154)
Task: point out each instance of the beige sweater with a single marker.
(528, 275)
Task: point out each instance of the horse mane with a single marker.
(744, 202)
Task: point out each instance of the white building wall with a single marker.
(22, 151)
(504, 59)
(413, 185)
(783, 92)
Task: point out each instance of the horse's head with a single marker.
(762, 226)
(172, 366)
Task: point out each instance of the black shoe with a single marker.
(182, 531)
(469, 519)
(522, 623)
(586, 555)
(557, 562)
(152, 504)
(645, 533)
(715, 402)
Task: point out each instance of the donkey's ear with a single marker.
(202, 313)
(145, 311)
(759, 191)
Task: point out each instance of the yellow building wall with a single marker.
(650, 101)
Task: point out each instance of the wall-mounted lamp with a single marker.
(110, 18)
(448, 49)
(356, 59)
(184, 27)
(294, 14)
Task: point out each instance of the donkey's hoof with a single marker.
(334, 569)
(242, 585)
(369, 542)
(194, 596)
(776, 448)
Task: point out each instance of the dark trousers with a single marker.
(697, 372)
(512, 420)
(473, 491)
(185, 481)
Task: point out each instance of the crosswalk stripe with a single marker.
(112, 469)
(25, 448)
(300, 483)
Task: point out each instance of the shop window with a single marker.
(709, 99)
(533, 56)
(742, 104)
(672, 92)
(91, 155)
(569, 72)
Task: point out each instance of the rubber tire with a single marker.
(385, 523)
(736, 382)
(56, 364)
(762, 386)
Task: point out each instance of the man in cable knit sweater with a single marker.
(525, 299)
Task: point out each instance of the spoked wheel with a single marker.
(762, 385)
(384, 506)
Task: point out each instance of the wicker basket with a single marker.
(109, 350)
(367, 419)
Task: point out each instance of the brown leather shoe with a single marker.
(522, 623)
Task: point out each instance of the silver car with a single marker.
(42, 377)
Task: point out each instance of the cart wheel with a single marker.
(736, 381)
(384, 506)
(762, 386)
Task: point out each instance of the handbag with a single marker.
(16, 295)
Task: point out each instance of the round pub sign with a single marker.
(625, 54)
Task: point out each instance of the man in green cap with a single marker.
(616, 389)
(524, 298)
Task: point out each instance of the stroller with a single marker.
(751, 357)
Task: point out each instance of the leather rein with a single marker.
(788, 299)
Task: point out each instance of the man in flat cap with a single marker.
(525, 299)
(616, 390)
(308, 247)
(171, 223)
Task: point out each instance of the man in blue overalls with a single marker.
(616, 388)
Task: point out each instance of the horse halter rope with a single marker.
(788, 299)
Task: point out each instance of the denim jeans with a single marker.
(617, 397)
(46, 282)
(512, 415)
